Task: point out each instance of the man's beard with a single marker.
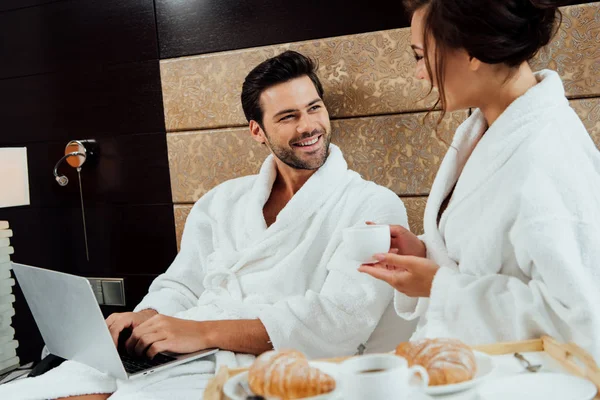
(287, 155)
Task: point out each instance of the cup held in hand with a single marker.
(362, 242)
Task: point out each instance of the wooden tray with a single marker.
(572, 357)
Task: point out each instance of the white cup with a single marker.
(362, 242)
(381, 377)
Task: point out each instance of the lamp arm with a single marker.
(62, 179)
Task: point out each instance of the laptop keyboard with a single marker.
(134, 364)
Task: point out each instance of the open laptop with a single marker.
(69, 318)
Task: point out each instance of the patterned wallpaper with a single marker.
(399, 151)
(375, 102)
(366, 74)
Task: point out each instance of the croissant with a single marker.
(286, 374)
(446, 360)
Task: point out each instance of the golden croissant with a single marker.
(286, 374)
(446, 360)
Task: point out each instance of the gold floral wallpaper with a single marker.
(589, 112)
(415, 209)
(575, 51)
(375, 102)
(365, 74)
(347, 136)
(181, 212)
(200, 160)
(362, 74)
(401, 152)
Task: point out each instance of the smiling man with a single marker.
(262, 264)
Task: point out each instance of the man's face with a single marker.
(296, 125)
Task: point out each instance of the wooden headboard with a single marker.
(375, 102)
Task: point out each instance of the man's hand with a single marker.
(118, 321)
(162, 333)
(407, 243)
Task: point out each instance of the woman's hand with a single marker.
(405, 241)
(410, 275)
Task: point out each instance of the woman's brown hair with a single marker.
(493, 31)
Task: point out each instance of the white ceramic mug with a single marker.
(381, 377)
(362, 242)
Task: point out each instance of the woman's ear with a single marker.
(257, 132)
(474, 64)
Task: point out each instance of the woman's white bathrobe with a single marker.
(294, 276)
(519, 243)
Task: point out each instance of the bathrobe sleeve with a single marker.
(560, 254)
(344, 313)
(180, 286)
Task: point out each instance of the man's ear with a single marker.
(257, 132)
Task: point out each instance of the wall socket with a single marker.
(108, 291)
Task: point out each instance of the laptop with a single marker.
(68, 316)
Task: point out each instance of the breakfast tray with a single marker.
(570, 356)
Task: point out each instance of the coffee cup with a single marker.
(362, 242)
(381, 377)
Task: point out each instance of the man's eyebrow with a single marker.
(317, 100)
(291, 110)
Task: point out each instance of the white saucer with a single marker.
(538, 386)
(233, 390)
(485, 366)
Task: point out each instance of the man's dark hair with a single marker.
(282, 68)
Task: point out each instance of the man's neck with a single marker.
(288, 181)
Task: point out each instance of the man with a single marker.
(261, 264)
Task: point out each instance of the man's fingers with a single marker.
(146, 341)
(148, 326)
(116, 328)
(112, 318)
(157, 347)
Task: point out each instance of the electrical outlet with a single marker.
(108, 291)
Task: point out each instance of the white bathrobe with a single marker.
(293, 276)
(519, 243)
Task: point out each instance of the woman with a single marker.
(512, 224)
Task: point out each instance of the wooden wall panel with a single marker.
(87, 69)
(127, 239)
(99, 101)
(130, 169)
(206, 26)
(62, 34)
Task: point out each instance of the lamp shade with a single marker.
(14, 177)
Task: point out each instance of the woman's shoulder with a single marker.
(561, 141)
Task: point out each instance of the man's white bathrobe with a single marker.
(519, 244)
(293, 276)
